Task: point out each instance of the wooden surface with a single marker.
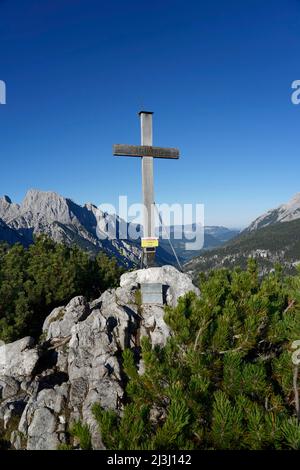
(123, 150)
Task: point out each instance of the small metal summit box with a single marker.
(152, 293)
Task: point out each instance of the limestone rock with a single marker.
(92, 364)
(12, 407)
(18, 359)
(177, 283)
(41, 432)
(9, 387)
(42, 418)
(60, 321)
(153, 325)
(16, 440)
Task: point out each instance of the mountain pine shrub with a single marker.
(225, 379)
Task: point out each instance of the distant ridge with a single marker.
(271, 238)
(284, 213)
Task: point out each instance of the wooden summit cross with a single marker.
(147, 152)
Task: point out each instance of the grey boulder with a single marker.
(177, 284)
(18, 359)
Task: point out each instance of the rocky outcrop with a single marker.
(59, 323)
(46, 387)
(176, 283)
(18, 359)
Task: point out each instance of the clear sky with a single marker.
(217, 75)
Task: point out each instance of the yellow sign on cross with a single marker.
(149, 242)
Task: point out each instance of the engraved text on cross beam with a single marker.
(145, 151)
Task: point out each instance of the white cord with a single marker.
(169, 240)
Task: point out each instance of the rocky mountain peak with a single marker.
(8, 209)
(7, 199)
(51, 205)
(90, 206)
(284, 213)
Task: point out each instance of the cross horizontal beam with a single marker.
(123, 150)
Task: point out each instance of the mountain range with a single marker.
(46, 212)
(272, 237)
(63, 221)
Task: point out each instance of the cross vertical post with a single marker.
(147, 177)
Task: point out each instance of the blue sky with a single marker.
(216, 74)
